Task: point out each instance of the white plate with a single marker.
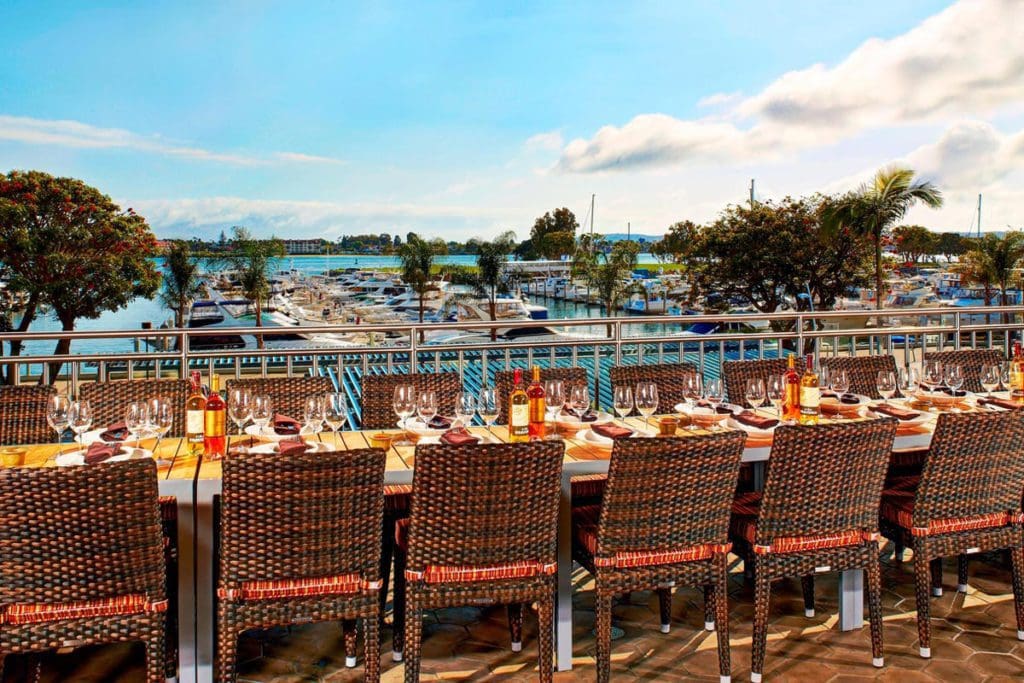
(861, 401)
(419, 428)
(704, 410)
(92, 436)
(272, 447)
(595, 439)
(268, 433)
(570, 421)
(77, 458)
(921, 418)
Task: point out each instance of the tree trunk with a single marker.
(878, 273)
(493, 306)
(67, 324)
(259, 321)
(26, 319)
(180, 315)
(421, 293)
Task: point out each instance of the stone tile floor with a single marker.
(974, 639)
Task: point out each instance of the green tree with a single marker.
(683, 244)
(493, 276)
(417, 264)
(253, 261)
(68, 246)
(950, 244)
(992, 262)
(914, 242)
(607, 270)
(559, 220)
(877, 205)
(557, 244)
(181, 283)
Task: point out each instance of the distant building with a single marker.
(303, 246)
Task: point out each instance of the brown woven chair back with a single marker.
(109, 399)
(974, 467)
(302, 516)
(862, 371)
(288, 394)
(80, 533)
(825, 479)
(504, 382)
(23, 414)
(700, 473)
(971, 361)
(378, 393)
(485, 504)
(737, 372)
(667, 376)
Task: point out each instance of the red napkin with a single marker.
(893, 411)
(611, 431)
(439, 422)
(115, 432)
(286, 426)
(1000, 403)
(756, 421)
(589, 416)
(101, 452)
(458, 437)
(846, 399)
(720, 409)
(292, 447)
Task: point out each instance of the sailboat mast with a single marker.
(592, 216)
(979, 215)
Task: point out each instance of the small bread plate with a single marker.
(705, 416)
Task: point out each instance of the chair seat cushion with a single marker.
(278, 589)
(898, 509)
(35, 613)
(584, 522)
(743, 525)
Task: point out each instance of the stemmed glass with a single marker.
(755, 393)
(465, 408)
(714, 393)
(161, 418)
(404, 404)
(313, 414)
(335, 413)
(262, 412)
(839, 384)
(487, 407)
(57, 408)
(885, 383)
(80, 419)
(579, 400)
(647, 400)
(136, 418)
(990, 378)
(426, 407)
(932, 379)
(693, 389)
(1005, 373)
(908, 382)
(554, 399)
(954, 378)
(776, 392)
(239, 407)
(622, 400)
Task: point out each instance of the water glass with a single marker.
(262, 412)
(335, 413)
(465, 408)
(426, 406)
(239, 407)
(713, 394)
(313, 414)
(161, 417)
(647, 400)
(776, 392)
(755, 393)
(404, 405)
(579, 400)
(80, 419)
(908, 381)
(554, 399)
(136, 418)
(954, 378)
(839, 383)
(932, 379)
(990, 378)
(693, 389)
(488, 407)
(57, 408)
(622, 400)
(885, 383)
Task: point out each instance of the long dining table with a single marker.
(194, 482)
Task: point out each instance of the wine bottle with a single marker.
(214, 424)
(518, 411)
(1017, 374)
(195, 407)
(810, 394)
(791, 399)
(535, 394)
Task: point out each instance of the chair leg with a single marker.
(603, 608)
(709, 607)
(227, 647)
(961, 573)
(371, 633)
(665, 608)
(545, 644)
(413, 640)
(922, 581)
(348, 626)
(874, 581)
(515, 625)
(807, 584)
(762, 597)
(897, 551)
(398, 625)
(1017, 569)
(936, 569)
(721, 600)
(155, 662)
(387, 552)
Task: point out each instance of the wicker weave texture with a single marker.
(504, 382)
(862, 371)
(378, 392)
(737, 372)
(668, 377)
(23, 414)
(109, 399)
(971, 361)
(288, 394)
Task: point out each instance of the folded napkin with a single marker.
(292, 447)
(756, 421)
(439, 422)
(611, 431)
(589, 416)
(115, 432)
(458, 437)
(721, 410)
(892, 411)
(846, 399)
(1000, 403)
(286, 426)
(101, 452)
(949, 392)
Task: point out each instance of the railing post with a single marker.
(413, 350)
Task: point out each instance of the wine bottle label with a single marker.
(194, 424)
(810, 397)
(214, 423)
(519, 417)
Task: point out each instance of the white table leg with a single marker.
(206, 489)
(851, 599)
(181, 489)
(563, 602)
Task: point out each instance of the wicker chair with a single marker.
(815, 516)
(967, 500)
(667, 376)
(23, 414)
(288, 394)
(109, 399)
(83, 560)
(639, 538)
(862, 371)
(378, 393)
(504, 381)
(737, 372)
(971, 361)
(300, 542)
(475, 537)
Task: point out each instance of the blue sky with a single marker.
(462, 119)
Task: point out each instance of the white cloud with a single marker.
(546, 142)
(963, 61)
(298, 157)
(720, 99)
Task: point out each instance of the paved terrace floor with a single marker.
(974, 639)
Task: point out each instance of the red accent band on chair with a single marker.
(298, 588)
(34, 613)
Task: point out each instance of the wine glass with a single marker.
(161, 418)
(776, 392)
(579, 400)
(885, 383)
(713, 394)
(262, 412)
(908, 381)
(487, 407)
(932, 378)
(57, 408)
(693, 389)
(426, 407)
(554, 399)
(622, 400)
(646, 400)
(1005, 375)
(136, 417)
(755, 393)
(990, 378)
(80, 419)
(335, 413)
(239, 407)
(839, 384)
(954, 378)
(465, 408)
(404, 405)
(313, 414)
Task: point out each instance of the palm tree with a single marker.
(492, 277)
(417, 263)
(181, 284)
(253, 260)
(992, 262)
(878, 205)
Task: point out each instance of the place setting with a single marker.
(421, 423)
(150, 419)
